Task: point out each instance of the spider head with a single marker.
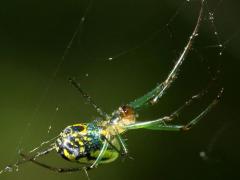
(127, 115)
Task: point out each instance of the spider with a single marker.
(100, 141)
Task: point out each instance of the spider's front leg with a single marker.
(153, 96)
(160, 124)
(88, 98)
(191, 100)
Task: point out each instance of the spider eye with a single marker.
(126, 110)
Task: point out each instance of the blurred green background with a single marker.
(33, 36)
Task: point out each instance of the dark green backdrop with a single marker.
(33, 36)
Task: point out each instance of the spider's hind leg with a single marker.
(55, 169)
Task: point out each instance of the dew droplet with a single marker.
(17, 168)
(49, 129)
(57, 108)
(83, 19)
(211, 16)
(8, 169)
(203, 155)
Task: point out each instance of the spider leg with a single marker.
(160, 124)
(88, 98)
(154, 95)
(122, 144)
(111, 144)
(101, 154)
(176, 113)
(14, 166)
(123, 151)
(51, 168)
(172, 116)
(203, 113)
(25, 160)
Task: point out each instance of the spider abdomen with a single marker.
(82, 143)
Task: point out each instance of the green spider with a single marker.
(100, 141)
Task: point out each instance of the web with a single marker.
(167, 28)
